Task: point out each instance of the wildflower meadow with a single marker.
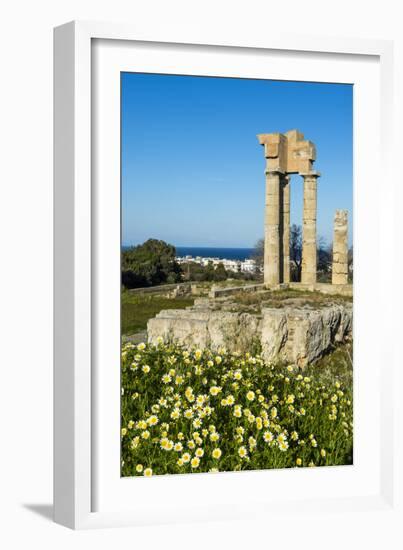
(190, 410)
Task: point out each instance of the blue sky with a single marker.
(192, 167)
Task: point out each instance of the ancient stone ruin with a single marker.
(298, 331)
(288, 154)
(295, 333)
(340, 249)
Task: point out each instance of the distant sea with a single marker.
(212, 252)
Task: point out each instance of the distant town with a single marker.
(237, 266)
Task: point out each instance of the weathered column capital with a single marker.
(274, 173)
(310, 174)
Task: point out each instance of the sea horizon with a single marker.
(222, 252)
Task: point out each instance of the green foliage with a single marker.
(151, 263)
(193, 271)
(209, 272)
(187, 410)
(220, 273)
(137, 309)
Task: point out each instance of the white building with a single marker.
(248, 266)
(245, 266)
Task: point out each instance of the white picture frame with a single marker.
(80, 245)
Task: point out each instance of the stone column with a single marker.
(272, 229)
(286, 229)
(340, 249)
(308, 274)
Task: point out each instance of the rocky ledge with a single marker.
(294, 334)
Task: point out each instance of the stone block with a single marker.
(296, 335)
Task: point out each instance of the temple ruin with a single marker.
(295, 329)
(287, 154)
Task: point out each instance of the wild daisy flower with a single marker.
(216, 453)
(200, 400)
(175, 414)
(250, 396)
(242, 452)
(152, 420)
(281, 437)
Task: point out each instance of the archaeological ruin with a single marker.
(294, 329)
(288, 154)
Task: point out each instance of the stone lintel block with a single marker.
(276, 164)
(269, 139)
(288, 152)
(294, 135)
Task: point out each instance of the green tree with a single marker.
(209, 272)
(220, 273)
(151, 263)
